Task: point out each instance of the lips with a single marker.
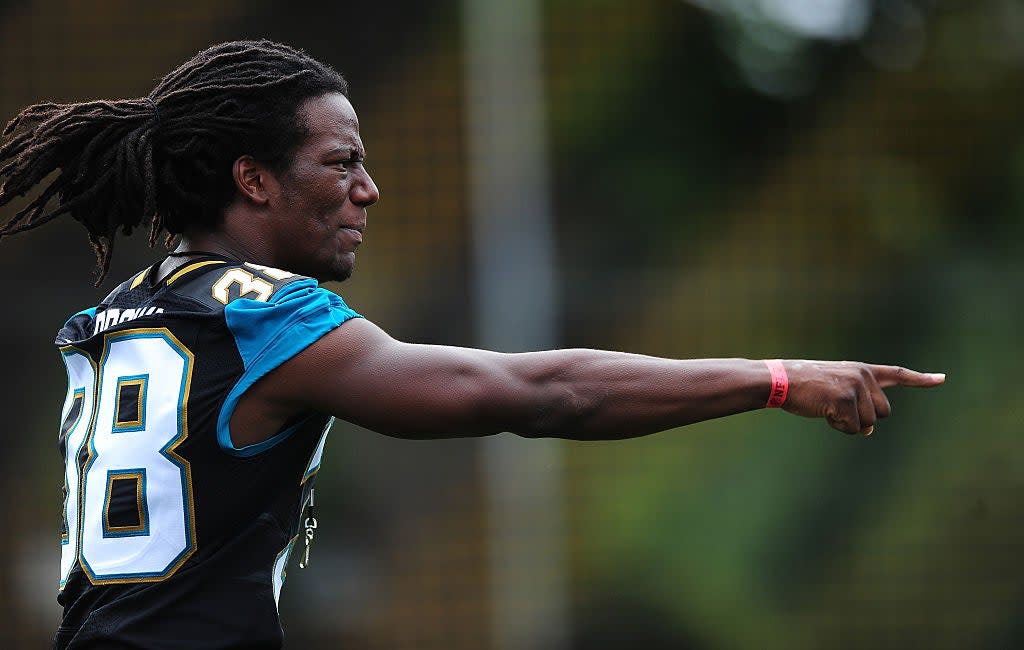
(356, 232)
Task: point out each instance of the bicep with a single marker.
(361, 374)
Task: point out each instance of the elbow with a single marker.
(561, 411)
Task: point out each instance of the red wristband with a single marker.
(780, 383)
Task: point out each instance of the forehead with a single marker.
(331, 122)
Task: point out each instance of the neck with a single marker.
(221, 243)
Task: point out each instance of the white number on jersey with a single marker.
(140, 390)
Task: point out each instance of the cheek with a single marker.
(327, 204)
(320, 218)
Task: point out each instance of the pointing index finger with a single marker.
(898, 376)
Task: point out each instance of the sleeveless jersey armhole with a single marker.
(270, 333)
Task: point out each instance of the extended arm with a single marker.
(359, 373)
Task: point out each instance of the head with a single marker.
(307, 217)
(172, 159)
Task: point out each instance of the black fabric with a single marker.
(124, 509)
(246, 510)
(129, 404)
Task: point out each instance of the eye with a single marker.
(349, 163)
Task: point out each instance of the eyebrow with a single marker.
(352, 151)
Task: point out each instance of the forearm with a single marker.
(430, 391)
(598, 395)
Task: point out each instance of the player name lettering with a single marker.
(106, 319)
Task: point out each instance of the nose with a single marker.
(364, 192)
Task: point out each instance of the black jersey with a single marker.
(174, 538)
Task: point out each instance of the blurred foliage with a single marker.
(872, 217)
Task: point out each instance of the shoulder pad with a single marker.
(222, 284)
(127, 285)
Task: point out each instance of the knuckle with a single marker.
(845, 425)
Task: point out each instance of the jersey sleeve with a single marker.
(268, 333)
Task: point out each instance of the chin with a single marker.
(342, 275)
(340, 271)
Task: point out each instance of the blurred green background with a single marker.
(758, 178)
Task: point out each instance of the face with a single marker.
(319, 204)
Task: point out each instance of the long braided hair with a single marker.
(165, 158)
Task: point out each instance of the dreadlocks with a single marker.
(167, 157)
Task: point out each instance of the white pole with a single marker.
(515, 292)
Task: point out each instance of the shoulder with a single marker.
(80, 325)
(253, 295)
(269, 309)
(218, 284)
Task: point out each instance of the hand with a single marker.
(848, 394)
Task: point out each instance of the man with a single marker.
(200, 391)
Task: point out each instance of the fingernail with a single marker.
(869, 431)
(938, 376)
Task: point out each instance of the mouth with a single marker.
(355, 231)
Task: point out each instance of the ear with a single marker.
(252, 180)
